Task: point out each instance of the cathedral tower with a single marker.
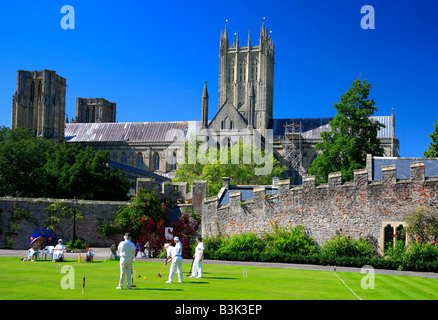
(246, 70)
(39, 103)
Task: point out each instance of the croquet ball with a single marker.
(139, 276)
(145, 278)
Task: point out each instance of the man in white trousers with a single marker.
(198, 257)
(127, 253)
(175, 254)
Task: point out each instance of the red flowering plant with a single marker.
(186, 229)
(144, 218)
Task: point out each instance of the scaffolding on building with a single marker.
(293, 154)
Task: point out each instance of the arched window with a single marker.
(140, 160)
(401, 233)
(388, 238)
(124, 159)
(173, 163)
(156, 161)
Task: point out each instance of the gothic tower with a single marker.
(39, 103)
(246, 69)
(90, 110)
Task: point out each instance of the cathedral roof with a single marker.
(130, 131)
(312, 127)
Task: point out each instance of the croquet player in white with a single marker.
(198, 256)
(127, 253)
(175, 254)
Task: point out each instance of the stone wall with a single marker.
(360, 208)
(177, 192)
(93, 213)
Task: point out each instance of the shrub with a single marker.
(293, 240)
(345, 246)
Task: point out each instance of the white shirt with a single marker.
(126, 249)
(171, 252)
(59, 247)
(178, 248)
(199, 248)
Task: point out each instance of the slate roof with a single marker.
(157, 177)
(130, 131)
(247, 193)
(312, 127)
(403, 166)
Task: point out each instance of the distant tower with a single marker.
(94, 110)
(39, 103)
(241, 67)
(204, 116)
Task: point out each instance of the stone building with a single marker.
(94, 110)
(245, 111)
(39, 103)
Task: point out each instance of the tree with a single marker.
(423, 223)
(432, 150)
(241, 173)
(144, 218)
(352, 136)
(22, 157)
(35, 167)
(73, 171)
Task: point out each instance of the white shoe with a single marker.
(179, 281)
(168, 281)
(119, 287)
(198, 277)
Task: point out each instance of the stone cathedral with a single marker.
(141, 149)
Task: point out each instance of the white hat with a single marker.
(166, 245)
(176, 238)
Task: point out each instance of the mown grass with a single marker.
(42, 280)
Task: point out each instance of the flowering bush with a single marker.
(186, 229)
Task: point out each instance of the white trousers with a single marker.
(125, 272)
(176, 266)
(57, 254)
(197, 268)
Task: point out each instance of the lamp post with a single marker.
(74, 220)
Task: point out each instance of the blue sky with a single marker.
(152, 58)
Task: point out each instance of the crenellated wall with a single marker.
(360, 208)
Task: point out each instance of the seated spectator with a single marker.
(58, 251)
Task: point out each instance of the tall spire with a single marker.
(251, 112)
(204, 116)
(249, 38)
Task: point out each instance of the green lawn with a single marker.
(41, 280)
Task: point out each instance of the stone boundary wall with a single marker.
(93, 213)
(360, 208)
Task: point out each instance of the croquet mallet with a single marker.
(190, 272)
(159, 273)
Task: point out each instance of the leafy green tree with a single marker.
(35, 167)
(241, 170)
(352, 136)
(423, 224)
(432, 150)
(22, 156)
(73, 171)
